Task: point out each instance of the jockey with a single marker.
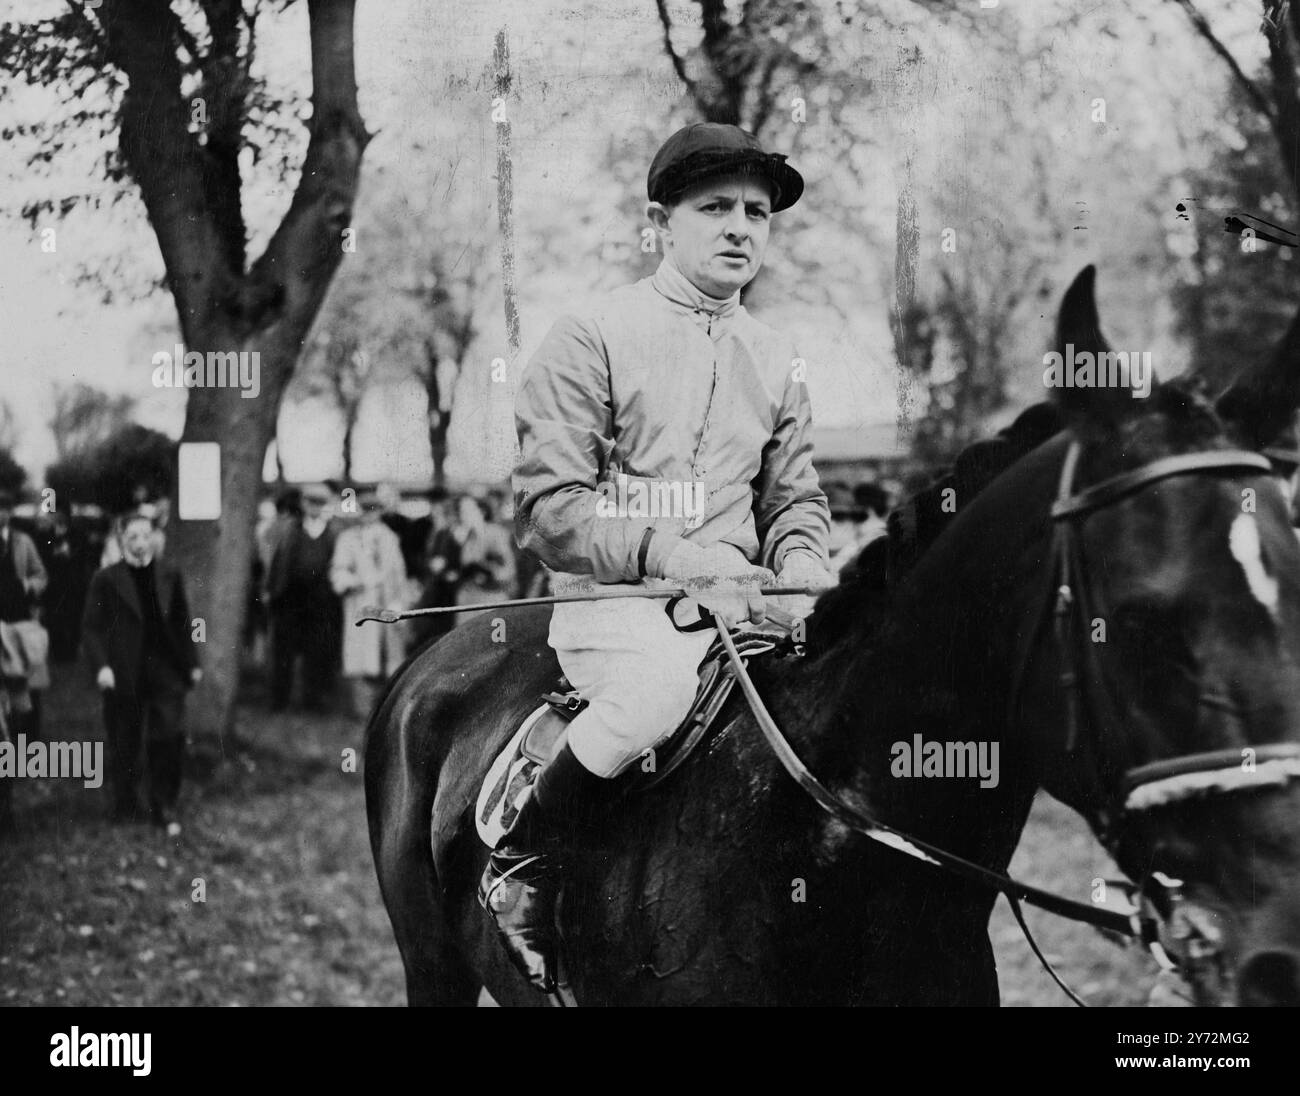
(665, 442)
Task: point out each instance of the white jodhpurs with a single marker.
(638, 673)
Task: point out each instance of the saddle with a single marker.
(510, 778)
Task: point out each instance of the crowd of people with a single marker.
(325, 557)
(105, 589)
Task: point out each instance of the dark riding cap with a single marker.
(706, 150)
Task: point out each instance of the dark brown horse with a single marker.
(727, 885)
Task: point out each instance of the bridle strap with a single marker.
(1211, 760)
(1111, 490)
(903, 842)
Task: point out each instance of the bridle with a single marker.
(1156, 783)
(1069, 603)
(1073, 606)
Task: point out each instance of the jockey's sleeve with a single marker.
(790, 509)
(564, 418)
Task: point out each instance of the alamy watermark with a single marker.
(82, 761)
(960, 760)
(1108, 369)
(88, 1048)
(215, 369)
(626, 497)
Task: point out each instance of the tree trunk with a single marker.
(216, 556)
(349, 428)
(192, 200)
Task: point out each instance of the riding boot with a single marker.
(521, 883)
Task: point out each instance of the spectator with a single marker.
(137, 640)
(156, 510)
(441, 572)
(66, 595)
(368, 571)
(858, 526)
(24, 644)
(486, 556)
(306, 618)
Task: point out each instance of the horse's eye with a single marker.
(1137, 622)
(1153, 633)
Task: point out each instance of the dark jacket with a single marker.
(291, 575)
(113, 626)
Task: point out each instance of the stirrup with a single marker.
(492, 879)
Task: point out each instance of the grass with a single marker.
(93, 914)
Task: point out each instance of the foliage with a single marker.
(12, 474)
(109, 472)
(84, 416)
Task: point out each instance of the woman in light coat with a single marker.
(367, 571)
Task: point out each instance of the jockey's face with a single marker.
(716, 232)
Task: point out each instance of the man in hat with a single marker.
(306, 617)
(665, 441)
(136, 635)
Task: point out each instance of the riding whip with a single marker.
(392, 616)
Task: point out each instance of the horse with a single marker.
(726, 884)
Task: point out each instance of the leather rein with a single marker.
(1067, 601)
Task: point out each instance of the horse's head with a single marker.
(1181, 626)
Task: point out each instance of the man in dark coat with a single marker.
(136, 634)
(306, 614)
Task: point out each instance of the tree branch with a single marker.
(1203, 28)
(290, 279)
(1286, 95)
(164, 158)
(225, 91)
(678, 66)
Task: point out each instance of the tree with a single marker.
(8, 426)
(109, 472)
(1240, 292)
(12, 474)
(175, 82)
(84, 416)
(410, 305)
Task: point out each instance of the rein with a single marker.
(1145, 787)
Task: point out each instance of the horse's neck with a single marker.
(932, 668)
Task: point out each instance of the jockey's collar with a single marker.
(676, 287)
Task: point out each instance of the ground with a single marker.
(275, 830)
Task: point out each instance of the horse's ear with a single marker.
(1076, 372)
(1262, 401)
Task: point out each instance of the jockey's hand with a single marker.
(105, 679)
(801, 568)
(721, 579)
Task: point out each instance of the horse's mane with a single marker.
(1185, 415)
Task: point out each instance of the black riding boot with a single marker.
(520, 886)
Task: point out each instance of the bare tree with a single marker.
(84, 416)
(1278, 98)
